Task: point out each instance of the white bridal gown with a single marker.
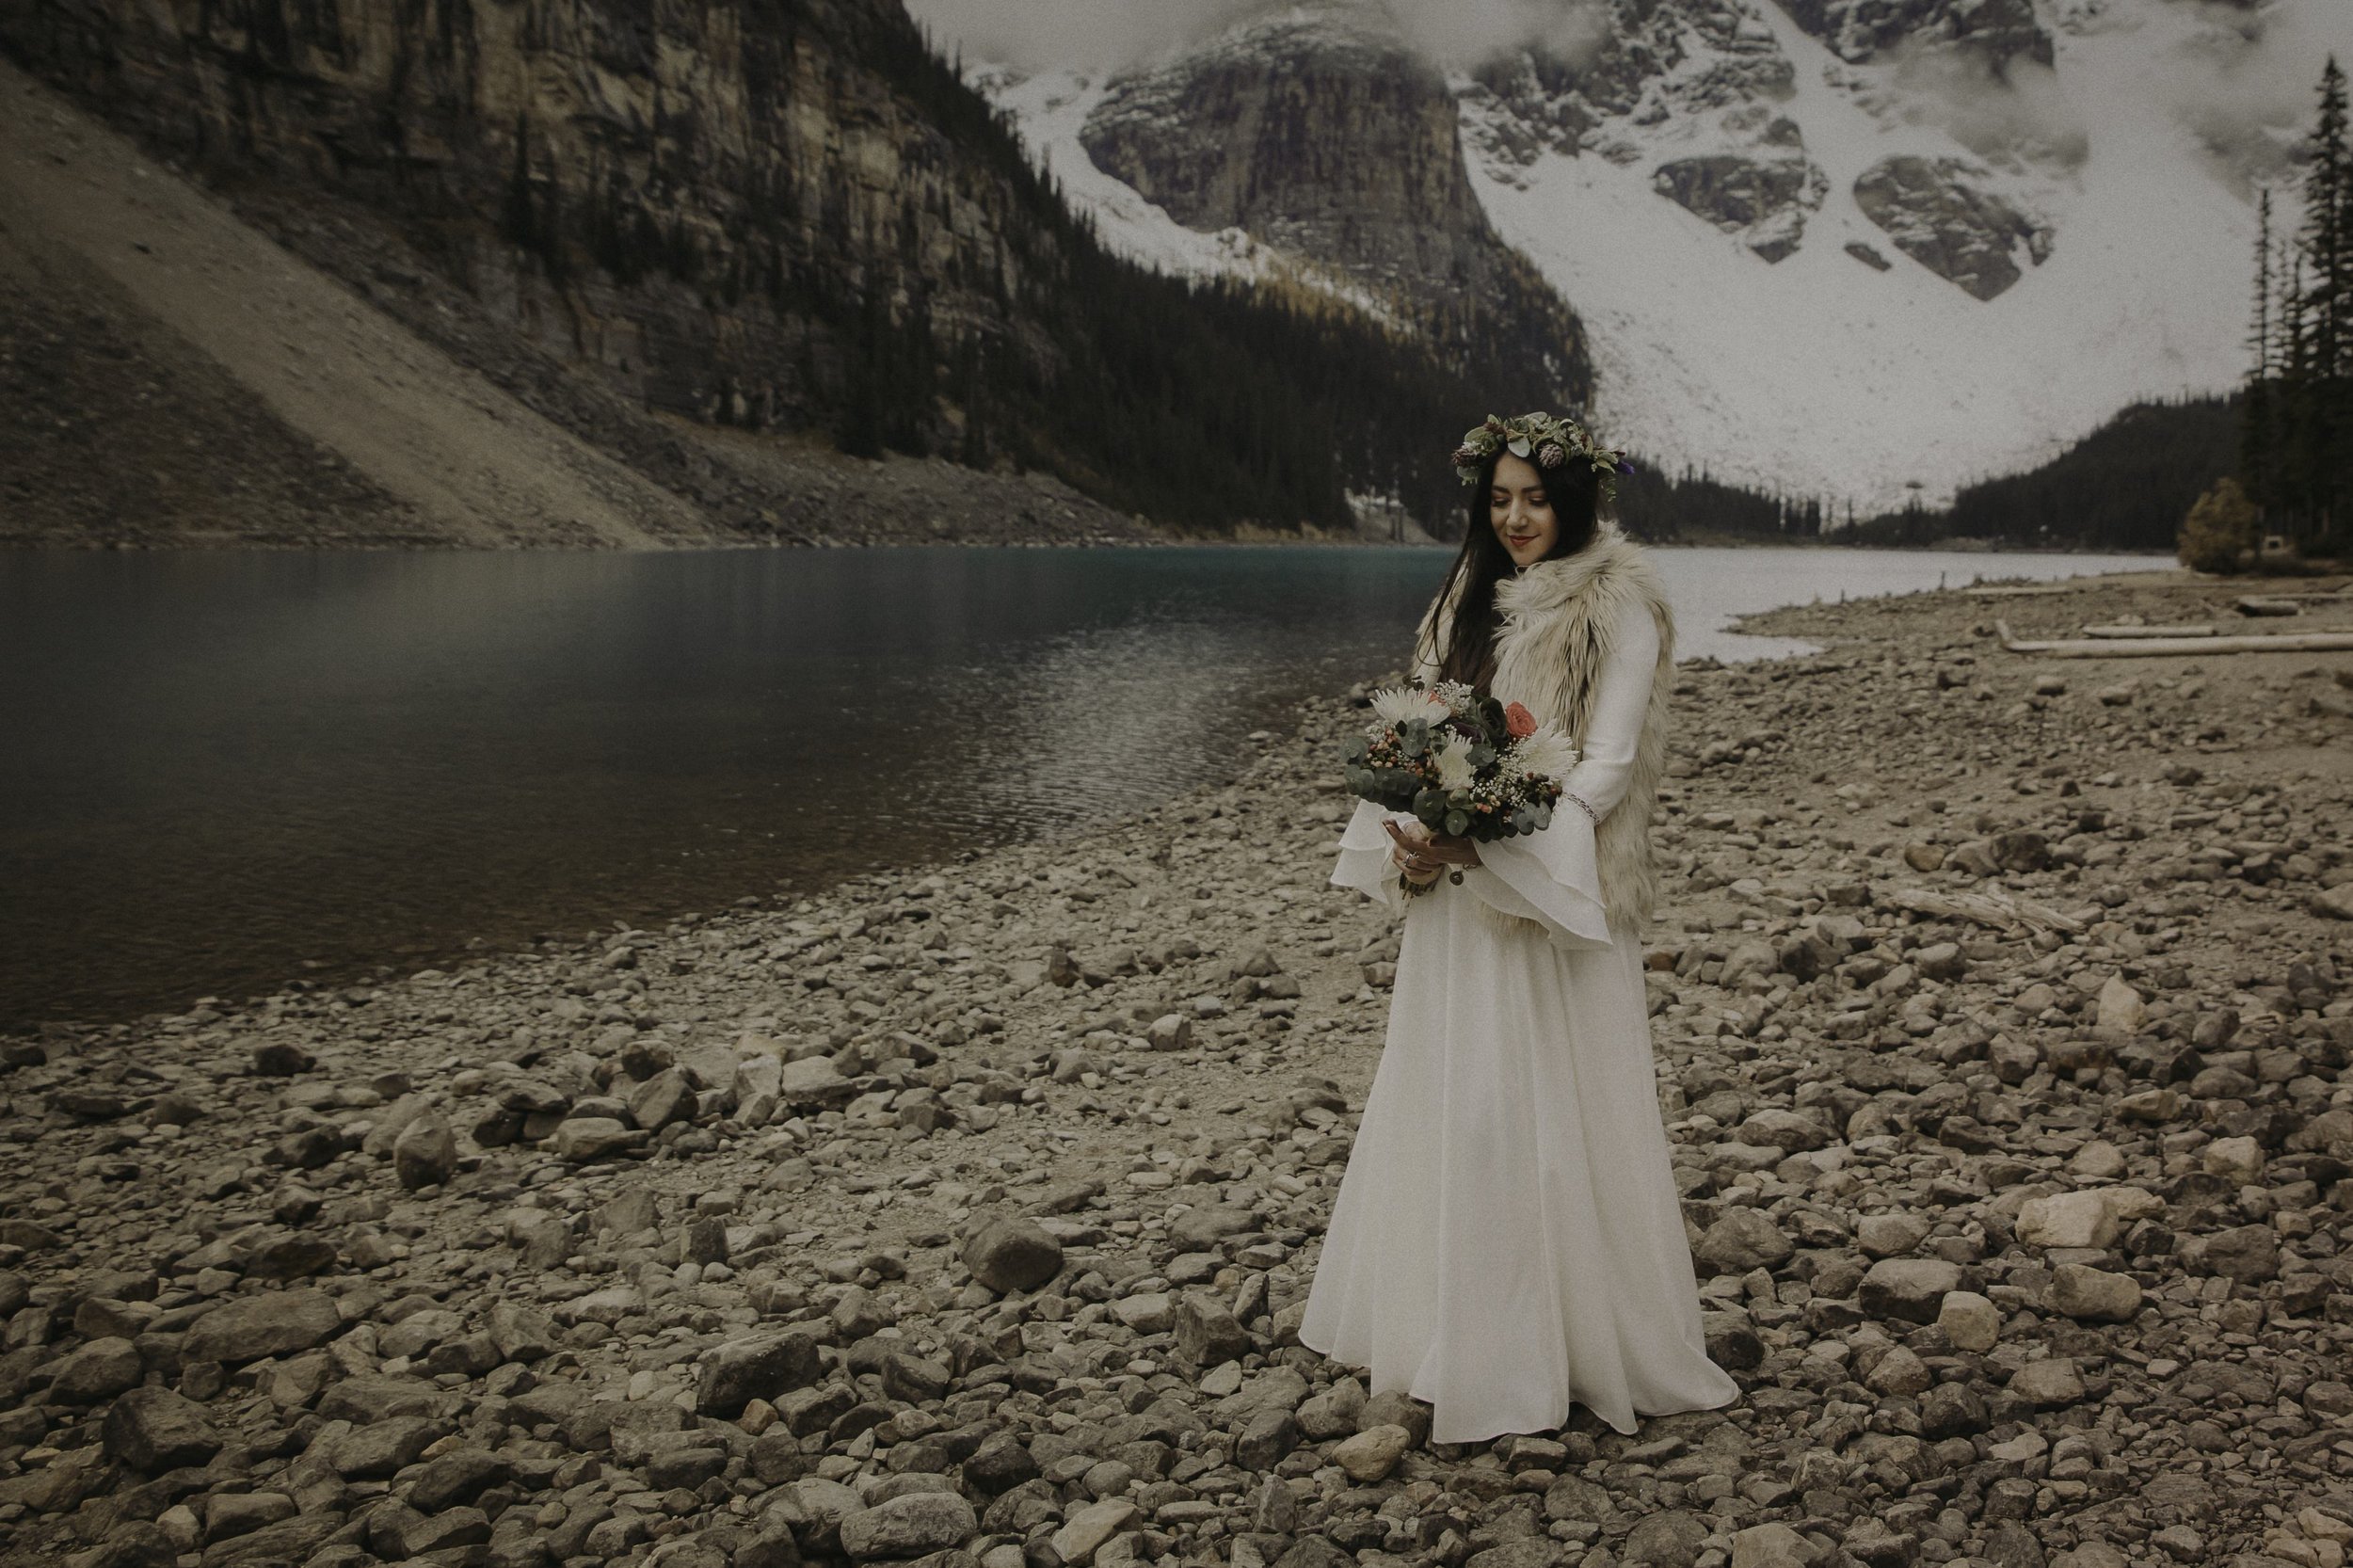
(1508, 1237)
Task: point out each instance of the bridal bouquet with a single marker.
(1462, 763)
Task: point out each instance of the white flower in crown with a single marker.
(1454, 764)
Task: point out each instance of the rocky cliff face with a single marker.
(1319, 133)
(732, 213)
(1707, 69)
(1997, 31)
(1934, 212)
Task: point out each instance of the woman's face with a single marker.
(1520, 509)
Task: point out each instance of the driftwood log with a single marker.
(1999, 911)
(2149, 648)
(2148, 631)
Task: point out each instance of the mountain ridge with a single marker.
(1864, 254)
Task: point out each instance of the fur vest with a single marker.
(1555, 624)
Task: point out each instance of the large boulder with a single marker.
(154, 1430)
(1911, 1289)
(1740, 1239)
(2094, 1295)
(909, 1526)
(272, 1322)
(1013, 1254)
(764, 1368)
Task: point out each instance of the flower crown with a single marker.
(1546, 442)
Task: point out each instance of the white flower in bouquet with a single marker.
(1546, 753)
(1454, 764)
(1395, 704)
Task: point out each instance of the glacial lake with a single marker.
(219, 772)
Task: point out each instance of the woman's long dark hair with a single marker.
(1573, 490)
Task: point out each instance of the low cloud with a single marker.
(1081, 34)
(1106, 35)
(2021, 114)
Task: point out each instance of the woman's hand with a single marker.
(1422, 854)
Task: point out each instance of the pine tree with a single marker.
(2327, 244)
(2255, 435)
(2325, 429)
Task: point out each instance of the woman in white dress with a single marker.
(1507, 1239)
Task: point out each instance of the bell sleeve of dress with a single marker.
(1363, 862)
(1554, 876)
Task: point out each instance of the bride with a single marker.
(1507, 1239)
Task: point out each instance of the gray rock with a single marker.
(1952, 1410)
(1525, 1552)
(1669, 1539)
(233, 1513)
(1578, 1501)
(456, 1477)
(663, 1099)
(1890, 1235)
(2053, 1381)
(154, 1430)
(764, 1368)
(585, 1137)
(814, 1083)
(1202, 1229)
(1086, 1531)
(425, 1154)
(1206, 1332)
(909, 1526)
(1013, 1254)
(272, 1322)
(1775, 1546)
(1740, 1239)
(520, 1333)
(1908, 1289)
(371, 1452)
(1396, 1408)
(1371, 1453)
(2248, 1253)
(99, 1370)
(1336, 1413)
(2094, 1295)
(1266, 1439)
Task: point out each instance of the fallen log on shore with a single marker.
(2149, 648)
(2148, 631)
(1999, 911)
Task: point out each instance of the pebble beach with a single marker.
(963, 1216)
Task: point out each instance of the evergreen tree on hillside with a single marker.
(2256, 424)
(2297, 433)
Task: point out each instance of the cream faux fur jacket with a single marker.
(1554, 623)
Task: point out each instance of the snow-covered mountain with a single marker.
(1860, 249)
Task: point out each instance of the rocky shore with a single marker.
(2002, 1008)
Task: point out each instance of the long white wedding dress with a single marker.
(1507, 1238)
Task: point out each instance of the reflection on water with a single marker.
(219, 771)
